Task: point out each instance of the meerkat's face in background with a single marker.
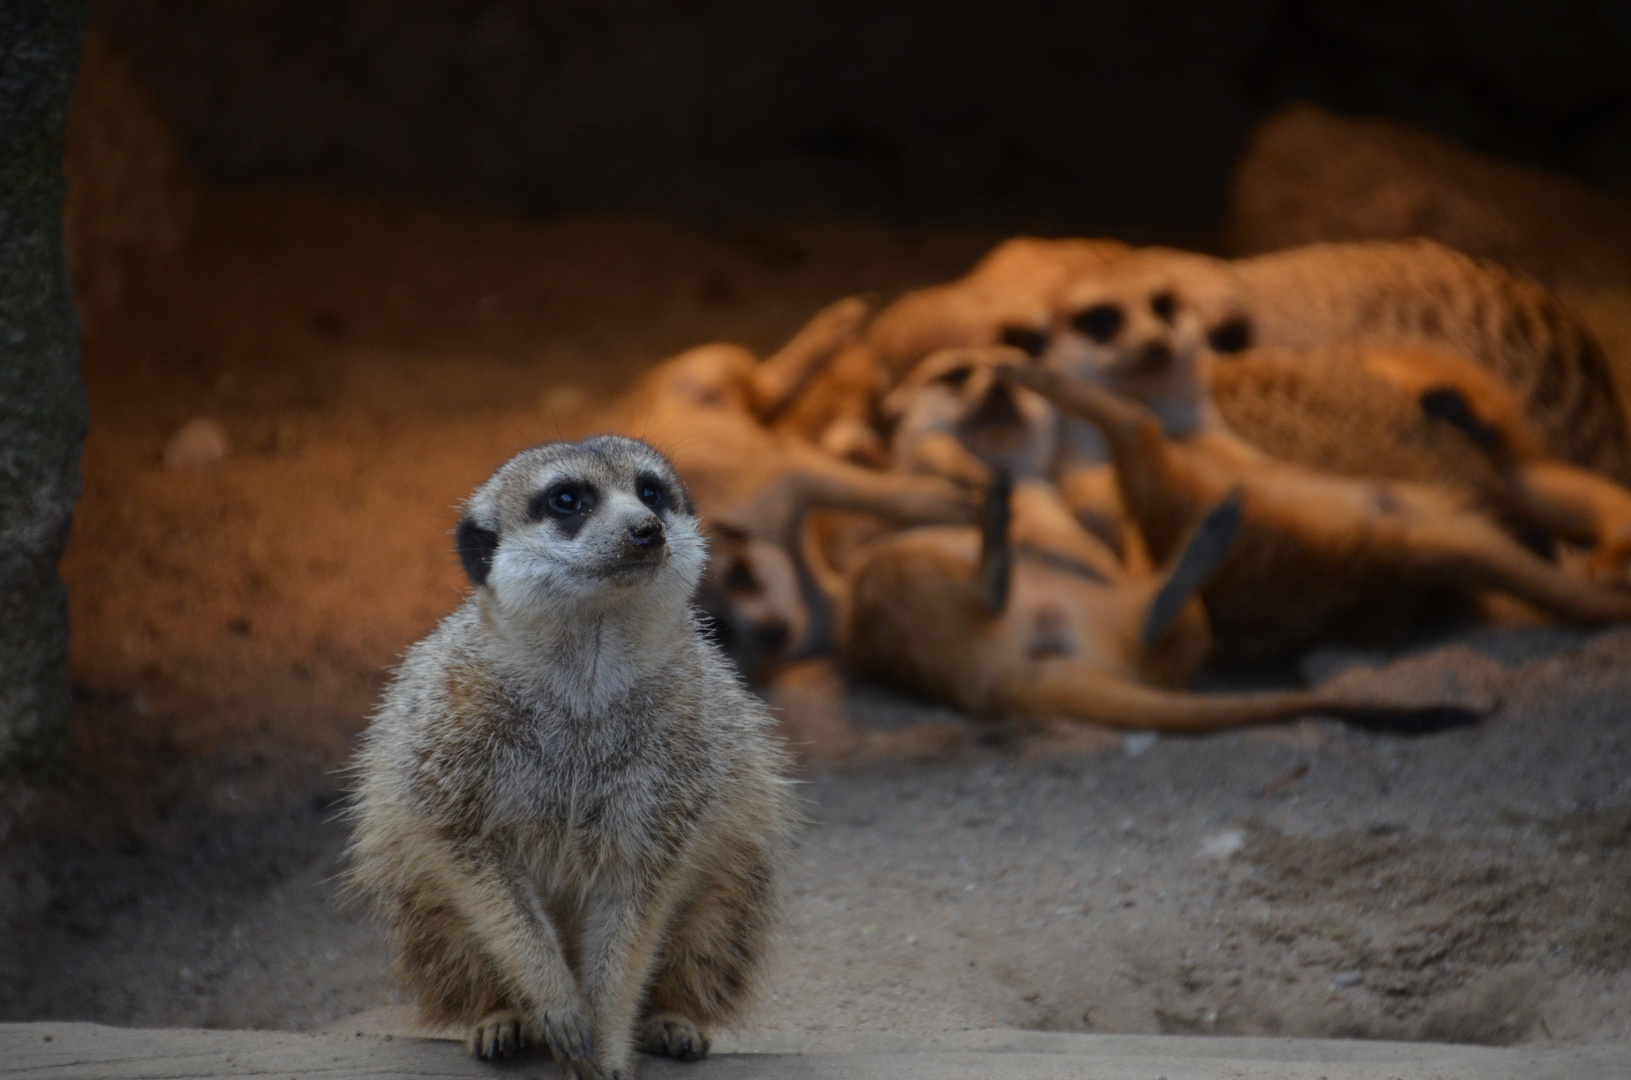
(957, 392)
(1121, 328)
(1143, 325)
(753, 595)
(580, 522)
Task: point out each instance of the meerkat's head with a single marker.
(754, 597)
(1145, 324)
(592, 523)
(957, 392)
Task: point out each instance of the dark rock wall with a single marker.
(1090, 114)
(42, 399)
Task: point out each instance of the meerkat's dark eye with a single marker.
(1027, 339)
(651, 492)
(957, 376)
(1165, 306)
(1101, 322)
(1232, 336)
(562, 500)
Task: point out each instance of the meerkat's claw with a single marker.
(675, 1037)
(498, 1036)
(568, 1037)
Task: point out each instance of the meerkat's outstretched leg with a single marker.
(1561, 497)
(780, 378)
(821, 480)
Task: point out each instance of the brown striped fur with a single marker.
(1393, 294)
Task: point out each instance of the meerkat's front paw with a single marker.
(675, 1036)
(566, 1031)
(496, 1036)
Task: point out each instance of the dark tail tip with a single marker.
(1205, 551)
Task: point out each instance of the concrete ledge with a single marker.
(68, 1051)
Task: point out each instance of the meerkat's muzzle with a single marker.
(648, 535)
(997, 408)
(1153, 359)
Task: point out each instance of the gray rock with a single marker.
(43, 410)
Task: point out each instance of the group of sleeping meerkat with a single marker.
(1058, 486)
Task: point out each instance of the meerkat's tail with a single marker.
(1063, 687)
(1195, 566)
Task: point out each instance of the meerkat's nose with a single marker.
(1156, 354)
(647, 534)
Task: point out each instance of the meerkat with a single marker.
(1387, 295)
(569, 810)
(1005, 298)
(967, 616)
(1035, 614)
(710, 409)
(1320, 556)
(1008, 298)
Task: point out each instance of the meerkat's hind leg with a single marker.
(497, 1035)
(1196, 565)
(671, 1035)
(996, 569)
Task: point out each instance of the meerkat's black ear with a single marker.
(1029, 340)
(1230, 336)
(476, 547)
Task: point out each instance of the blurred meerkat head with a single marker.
(957, 392)
(1146, 324)
(754, 597)
(596, 524)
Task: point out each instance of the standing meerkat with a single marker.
(569, 810)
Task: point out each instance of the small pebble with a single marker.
(1344, 979)
(1138, 742)
(1224, 844)
(200, 443)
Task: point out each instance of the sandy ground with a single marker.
(370, 363)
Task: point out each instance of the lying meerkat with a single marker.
(1007, 298)
(963, 616)
(569, 811)
(1039, 615)
(1371, 294)
(1004, 298)
(1320, 556)
(707, 410)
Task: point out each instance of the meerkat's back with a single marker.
(1389, 294)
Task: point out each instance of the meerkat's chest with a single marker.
(599, 806)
